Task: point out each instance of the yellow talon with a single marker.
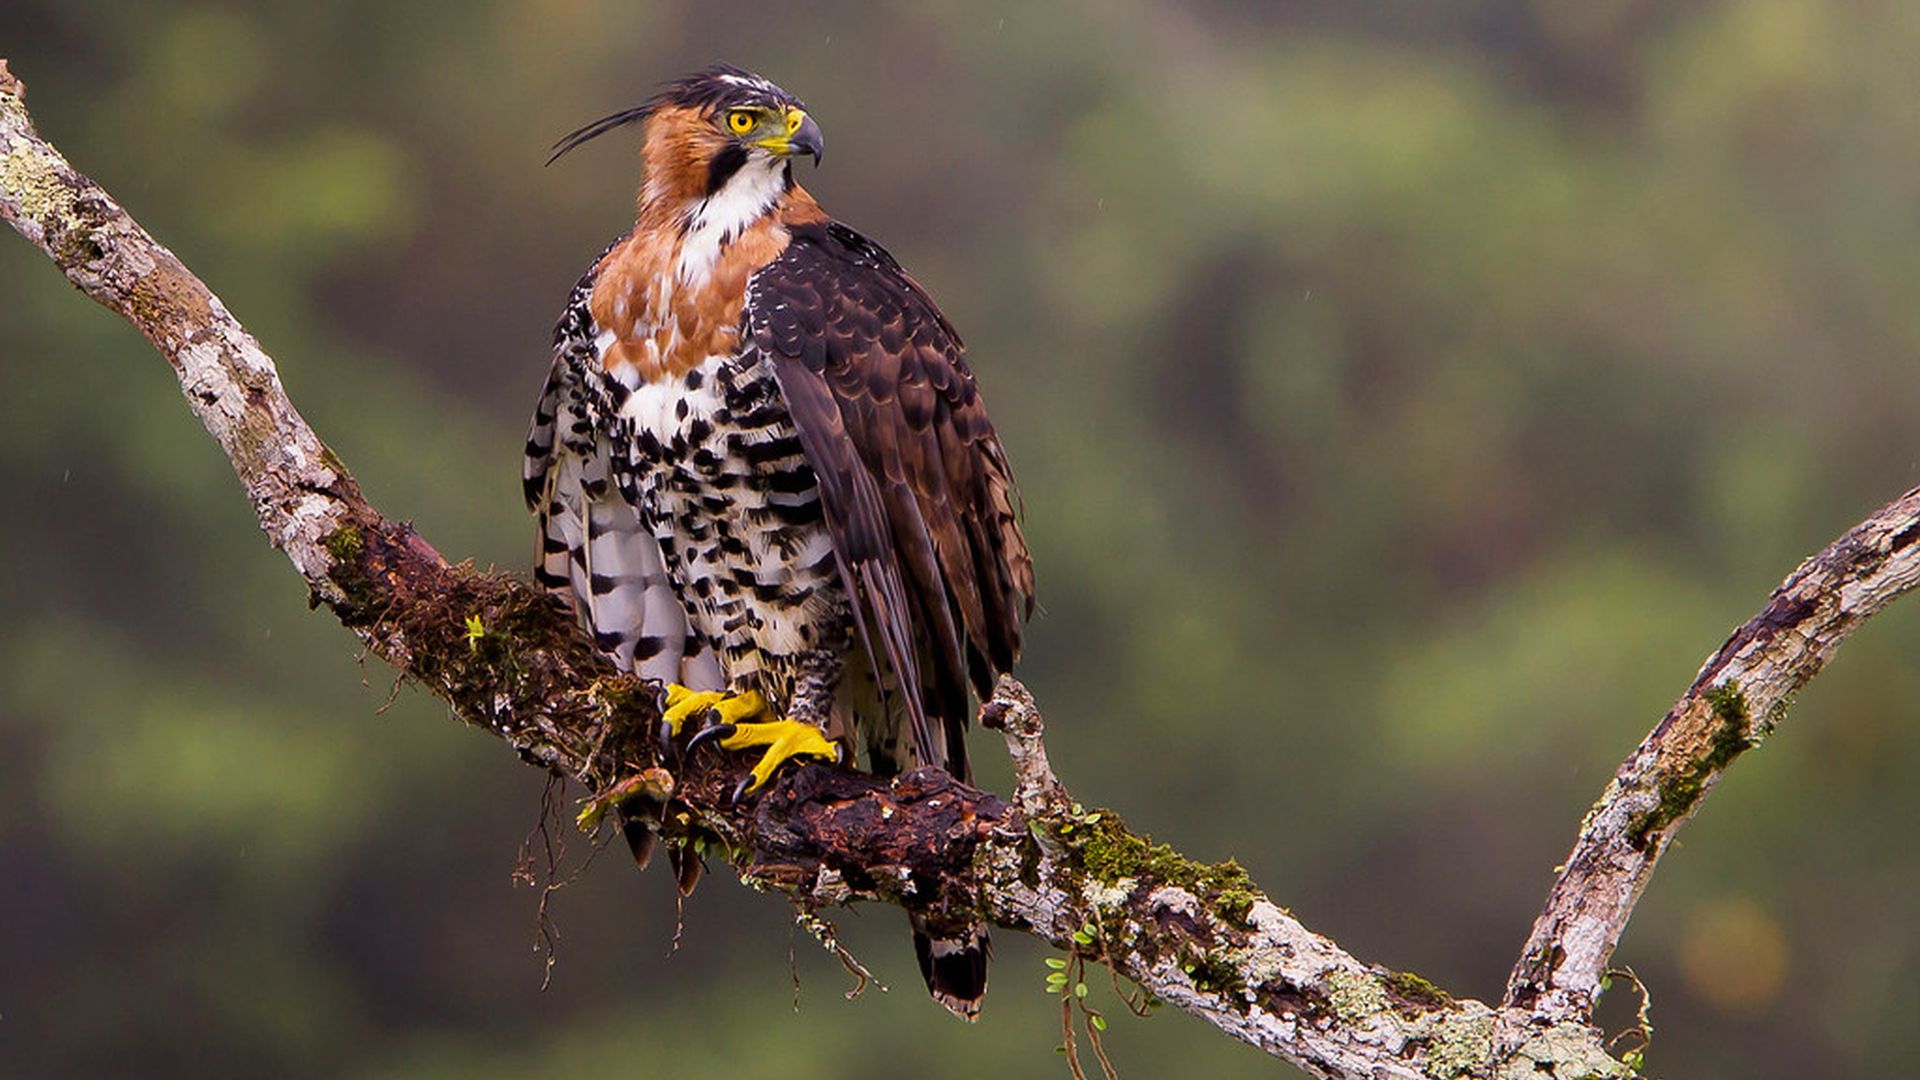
(784, 740)
(683, 703)
(738, 707)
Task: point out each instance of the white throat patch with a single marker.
(713, 221)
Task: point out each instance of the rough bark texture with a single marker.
(1202, 937)
(1740, 695)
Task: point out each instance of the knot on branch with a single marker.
(1012, 712)
(909, 839)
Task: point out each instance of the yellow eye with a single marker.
(741, 121)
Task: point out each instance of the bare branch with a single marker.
(1735, 702)
(298, 489)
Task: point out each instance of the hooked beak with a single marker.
(808, 140)
(803, 137)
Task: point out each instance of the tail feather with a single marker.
(639, 839)
(954, 965)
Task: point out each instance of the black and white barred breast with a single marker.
(716, 466)
(683, 521)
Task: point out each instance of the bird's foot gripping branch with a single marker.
(1201, 937)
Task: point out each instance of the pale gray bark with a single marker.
(1741, 693)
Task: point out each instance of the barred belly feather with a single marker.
(718, 468)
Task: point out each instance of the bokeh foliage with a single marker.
(1407, 398)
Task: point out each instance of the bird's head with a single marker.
(707, 129)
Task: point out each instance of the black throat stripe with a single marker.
(725, 164)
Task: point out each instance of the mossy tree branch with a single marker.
(1201, 937)
(1740, 695)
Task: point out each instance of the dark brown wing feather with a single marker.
(918, 492)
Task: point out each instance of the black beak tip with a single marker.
(809, 140)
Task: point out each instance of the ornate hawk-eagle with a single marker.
(762, 472)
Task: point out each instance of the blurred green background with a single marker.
(1407, 396)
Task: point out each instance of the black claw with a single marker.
(673, 749)
(739, 789)
(709, 734)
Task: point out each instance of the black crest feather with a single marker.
(596, 129)
(718, 86)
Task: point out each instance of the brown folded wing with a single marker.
(918, 493)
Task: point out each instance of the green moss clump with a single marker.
(1234, 893)
(1680, 794)
(1729, 704)
(345, 545)
(1109, 852)
(1416, 991)
(347, 548)
(477, 639)
(1214, 974)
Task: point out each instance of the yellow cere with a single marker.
(795, 117)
